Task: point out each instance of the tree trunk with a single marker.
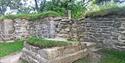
(36, 5)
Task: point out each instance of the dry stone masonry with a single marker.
(106, 31)
(21, 28)
(13, 29)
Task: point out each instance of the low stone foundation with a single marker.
(67, 54)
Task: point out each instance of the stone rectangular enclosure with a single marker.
(66, 54)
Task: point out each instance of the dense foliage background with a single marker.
(78, 7)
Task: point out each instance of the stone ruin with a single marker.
(106, 31)
(13, 29)
(66, 54)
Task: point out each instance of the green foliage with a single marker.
(31, 17)
(9, 48)
(44, 43)
(13, 4)
(78, 10)
(62, 7)
(53, 6)
(101, 10)
(109, 56)
(50, 7)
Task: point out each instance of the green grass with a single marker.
(108, 56)
(113, 56)
(9, 48)
(31, 17)
(44, 43)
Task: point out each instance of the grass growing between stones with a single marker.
(9, 48)
(108, 56)
(44, 43)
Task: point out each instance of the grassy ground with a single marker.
(113, 56)
(44, 43)
(9, 48)
(109, 56)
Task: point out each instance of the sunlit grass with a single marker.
(9, 48)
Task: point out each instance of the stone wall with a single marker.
(105, 31)
(108, 32)
(13, 29)
(50, 27)
(43, 27)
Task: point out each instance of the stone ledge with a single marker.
(64, 59)
(70, 57)
(67, 54)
